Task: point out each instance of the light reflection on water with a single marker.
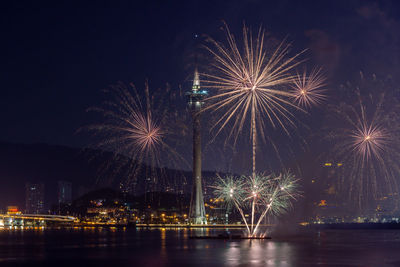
(259, 252)
(173, 247)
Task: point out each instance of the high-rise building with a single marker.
(64, 192)
(34, 198)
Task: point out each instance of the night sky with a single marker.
(57, 56)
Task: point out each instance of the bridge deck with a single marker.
(41, 217)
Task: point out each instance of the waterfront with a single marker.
(172, 247)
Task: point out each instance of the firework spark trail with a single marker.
(367, 144)
(134, 128)
(284, 188)
(252, 82)
(308, 90)
(231, 190)
(264, 194)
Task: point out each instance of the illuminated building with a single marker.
(13, 210)
(34, 198)
(64, 192)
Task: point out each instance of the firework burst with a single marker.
(369, 140)
(135, 129)
(252, 82)
(308, 90)
(366, 143)
(260, 194)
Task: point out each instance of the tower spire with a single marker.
(196, 81)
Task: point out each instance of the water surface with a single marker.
(171, 247)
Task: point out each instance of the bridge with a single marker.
(33, 219)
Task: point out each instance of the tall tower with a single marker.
(197, 213)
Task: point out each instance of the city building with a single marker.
(13, 210)
(64, 192)
(34, 198)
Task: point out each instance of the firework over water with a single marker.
(366, 141)
(260, 195)
(136, 129)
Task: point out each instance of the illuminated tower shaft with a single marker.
(197, 214)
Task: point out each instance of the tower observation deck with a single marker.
(197, 214)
